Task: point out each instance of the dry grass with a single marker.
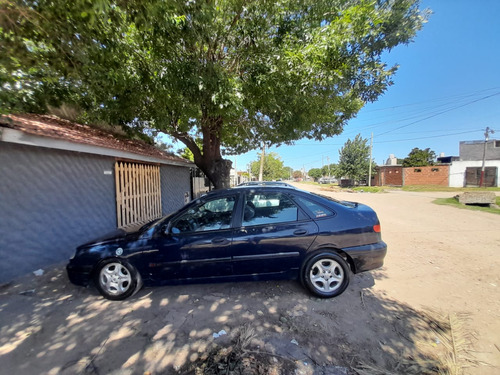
(240, 359)
(449, 354)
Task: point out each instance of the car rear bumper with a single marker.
(79, 275)
(367, 257)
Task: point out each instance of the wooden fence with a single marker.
(138, 193)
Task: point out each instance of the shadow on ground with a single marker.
(49, 326)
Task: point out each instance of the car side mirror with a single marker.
(168, 230)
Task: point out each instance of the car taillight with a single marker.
(376, 228)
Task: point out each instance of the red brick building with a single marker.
(389, 175)
(396, 175)
(430, 175)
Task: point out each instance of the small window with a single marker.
(497, 143)
(418, 170)
(269, 208)
(212, 215)
(314, 209)
(435, 169)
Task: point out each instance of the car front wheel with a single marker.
(326, 275)
(116, 279)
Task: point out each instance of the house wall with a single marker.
(390, 176)
(53, 200)
(473, 150)
(458, 168)
(430, 175)
(175, 188)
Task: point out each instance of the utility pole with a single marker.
(486, 138)
(262, 156)
(328, 163)
(370, 167)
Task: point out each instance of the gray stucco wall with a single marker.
(174, 184)
(52, 201)
(474, 150)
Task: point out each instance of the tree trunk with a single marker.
(210, 161)
(219, 173)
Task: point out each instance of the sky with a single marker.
(446, 90)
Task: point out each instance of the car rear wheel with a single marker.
(326, 275)
(116, 279)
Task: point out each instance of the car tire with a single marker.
(326, 274)
(116, 279)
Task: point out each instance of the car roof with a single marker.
(265, 183)
(277, 188)
(239, 188)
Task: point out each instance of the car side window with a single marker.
(315, 210)
(268, 208)
(212, 215)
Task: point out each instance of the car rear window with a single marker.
(343, 203)
(314, 209)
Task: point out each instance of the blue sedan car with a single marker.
(244, 233)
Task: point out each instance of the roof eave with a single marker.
(22, 138)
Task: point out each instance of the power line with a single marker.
(432, 136)
(418, 114)
(440, 113)
(460, 96)
(378, 142)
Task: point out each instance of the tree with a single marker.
(315, 173)
(354, 159)
(274, 168)
(419, 158)
(329, 170)
(297, 174)
(233, 73)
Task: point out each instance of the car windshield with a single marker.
(154, 223)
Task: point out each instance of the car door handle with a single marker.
(220, 241)
(300, 232)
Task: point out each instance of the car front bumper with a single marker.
(367, 257)
(79, 275)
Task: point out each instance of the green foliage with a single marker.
(419, 158)
(354, 159)
(330, 170)
(315, 173)
(289, 172)
(273, 170)
(186, 154)
(231, 72)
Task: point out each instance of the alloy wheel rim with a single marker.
(115, 278)
(326, 275)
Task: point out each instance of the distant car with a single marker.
(243, 233)
(327, 180)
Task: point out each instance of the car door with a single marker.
(197, 241)
(273, 236)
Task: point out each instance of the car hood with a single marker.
(116, 235)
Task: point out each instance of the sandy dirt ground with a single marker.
(440, 284)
